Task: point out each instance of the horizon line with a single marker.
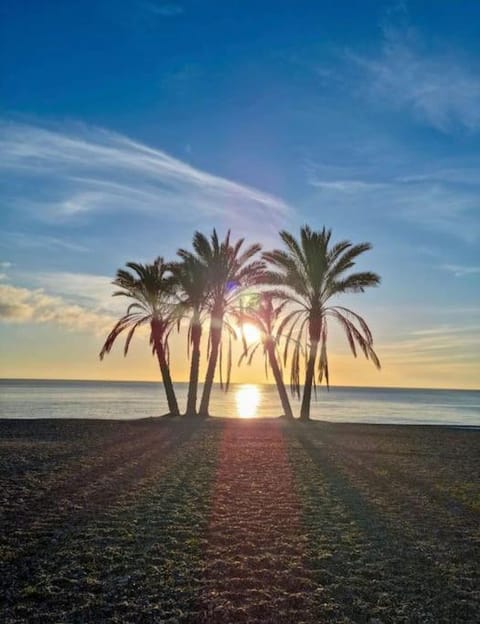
(242, 383)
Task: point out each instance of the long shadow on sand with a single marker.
(364, 553)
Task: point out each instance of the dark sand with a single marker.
(238, 521)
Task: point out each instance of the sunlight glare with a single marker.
(247, 399)
(251, 333)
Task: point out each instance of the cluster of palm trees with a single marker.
(285, 293)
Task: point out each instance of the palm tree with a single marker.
(314, 271)
(150, 289)
(230, 271)
(264, 317)
(190, 282)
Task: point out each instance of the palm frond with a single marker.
(288, 337)
(350, 314)
(229, 362)
(295, 371)
(356, 282)
(220, 364)
(323, 359)
(128, 320)
(347, 259)
(308, 271)
(130, 336)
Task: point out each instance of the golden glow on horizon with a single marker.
(50, 352)
(250, 333)
(247, 400)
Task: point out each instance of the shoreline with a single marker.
(266, 419)
(121, 401)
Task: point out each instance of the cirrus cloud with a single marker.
(79, 173)
(439, 87)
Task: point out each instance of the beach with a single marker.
(230, 520)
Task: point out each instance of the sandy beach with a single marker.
(238, 521)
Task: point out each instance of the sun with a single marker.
(247, 399)
(251, 333)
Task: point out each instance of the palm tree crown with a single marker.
(265, 316)
(310, 273)
(230, 271)
(150, 290)
(191, 286)
(190, 279)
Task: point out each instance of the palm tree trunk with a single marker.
(194, 367)
(315, 330)
(216, 334)
(282, 393)
(165, 370)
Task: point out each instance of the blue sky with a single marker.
(127, 125)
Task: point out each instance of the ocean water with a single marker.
(129, 400)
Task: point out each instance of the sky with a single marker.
(126, 126)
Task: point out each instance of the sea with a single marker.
(21, 398)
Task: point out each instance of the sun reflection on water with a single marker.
(247, 399)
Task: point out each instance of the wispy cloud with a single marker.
(20, 240)
(24, 305)
(441, 89)
(428, 202)
(346, 186)
(3, 267)
(466, 175)
(453, 211)
(164, 9)
(461, 271)
(88, 171)
(435, 345)
(447, 330)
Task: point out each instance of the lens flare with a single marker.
(247, 399)
(250, 333)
